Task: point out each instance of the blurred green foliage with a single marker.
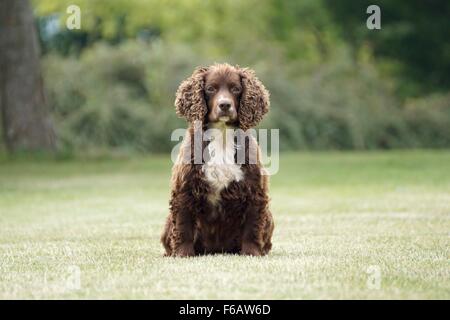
(116, 97)
(334, 83)
(413, 44)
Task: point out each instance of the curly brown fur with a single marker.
(254, 102)
(190, 101)
(238, 220)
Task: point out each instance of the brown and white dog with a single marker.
(219, 205)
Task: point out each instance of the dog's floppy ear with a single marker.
(190, 101)
(254, 101)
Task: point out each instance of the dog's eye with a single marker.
(236, 90)
(210, 89)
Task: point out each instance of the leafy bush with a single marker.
(122, 97)
(339, 105)
(116, 98)
(428, 121)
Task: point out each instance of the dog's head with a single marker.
(223, 93)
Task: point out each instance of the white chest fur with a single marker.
(221, 169)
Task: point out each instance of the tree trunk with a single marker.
(25, 119)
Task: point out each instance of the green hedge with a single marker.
(122, 97)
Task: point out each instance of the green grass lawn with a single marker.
(348, 225)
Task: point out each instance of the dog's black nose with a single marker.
(224, 106)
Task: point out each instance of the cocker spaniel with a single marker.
(219, 200)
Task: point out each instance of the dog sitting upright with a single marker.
(219, 204)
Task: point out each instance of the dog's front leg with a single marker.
(185, 245)
(183, 233)
(252, 236)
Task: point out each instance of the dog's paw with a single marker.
(184, 250)
(250, 249)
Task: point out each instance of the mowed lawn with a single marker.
(348, 225)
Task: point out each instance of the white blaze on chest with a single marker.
(220, 169)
